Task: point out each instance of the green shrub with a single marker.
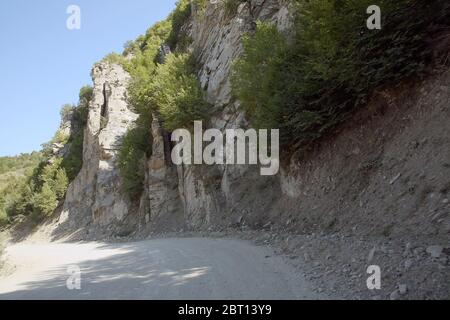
(115, 58)
(176, 92)
(66, 110)
(156, 35)
(23, 161)
(136, 145)
(85, 96)
(231, 6)
(333, 63)
(23, 204)
(44, 178)
(4, 220)
(73, 161)
(167, 87)
(59, 138)
(60, 183)
(179, 17)
(39, 193)
(199, 5)
(42, 191)
(255, 77)
(45, 201)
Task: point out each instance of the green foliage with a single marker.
(199, 5)
(177, 94)
(22, 162)
(22, 203)
(60, 183)
(45, 201)
(80, 115)
(256, 73)
(168, 88)
(34, 184)
(308, 84)
(40, 193)
(73, 161)
(231, 6)
(137, 142)
(66, 110)
(136, 145)
(178, 18)
(60, 137)
(156, 35)
(115, 58)
(14, 175)
(4, 220)
(14, 182)
(85, 96)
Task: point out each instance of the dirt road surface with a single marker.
(194, 268)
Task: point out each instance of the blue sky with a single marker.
(43, 64)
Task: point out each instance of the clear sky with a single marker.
(43, 64)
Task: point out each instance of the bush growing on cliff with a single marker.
(176, 92)
(3, 217)
(73, 160)
(136, 146)
(178, 19)
(231, 6)
(308, 84)
(44, 202)
(167, 88)
(255, 79)
(137, 142)
(85, 96)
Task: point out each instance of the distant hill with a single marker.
(20, 162)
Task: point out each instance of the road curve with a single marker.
(194, 268)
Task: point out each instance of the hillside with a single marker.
(14, 172)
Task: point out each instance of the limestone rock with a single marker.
(94, 196)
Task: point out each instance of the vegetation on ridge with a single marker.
(307, 83)
(161, 84)
(32, 185)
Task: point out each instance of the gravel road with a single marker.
(194, 268)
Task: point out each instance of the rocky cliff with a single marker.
(383, 168)
(94, 197)
(183, 197)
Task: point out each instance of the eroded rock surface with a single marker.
(95, 195)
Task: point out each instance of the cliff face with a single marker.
(174, 197)
(215, 196)
(94, 196)
(380, 174)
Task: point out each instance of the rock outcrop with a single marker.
(95, 195)
(324, 188)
